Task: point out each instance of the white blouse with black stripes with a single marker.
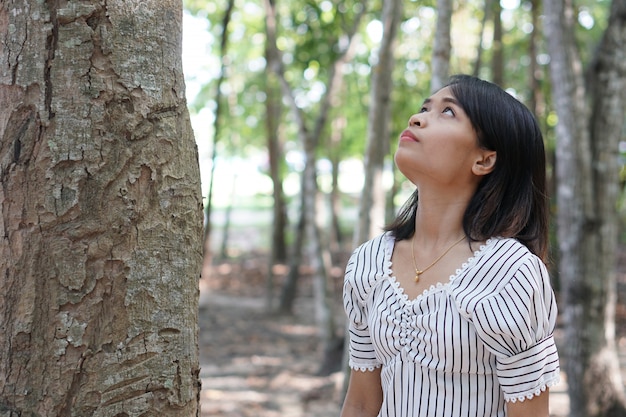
(462, 348)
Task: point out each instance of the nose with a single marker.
(415, 120)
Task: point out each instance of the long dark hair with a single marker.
(511, 201)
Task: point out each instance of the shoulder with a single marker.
(372, 253)
(369, 263)
(500, 263)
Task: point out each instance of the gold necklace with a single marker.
(418, 271)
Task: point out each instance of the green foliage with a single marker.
(311, 34)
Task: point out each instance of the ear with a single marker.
(485, 163)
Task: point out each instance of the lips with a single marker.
(408, 136)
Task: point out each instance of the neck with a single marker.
(439, 221)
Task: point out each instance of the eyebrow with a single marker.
(445, 100)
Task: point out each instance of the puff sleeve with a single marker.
(362, 353)
(516, 323)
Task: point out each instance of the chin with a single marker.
(403, 159)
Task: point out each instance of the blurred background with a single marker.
(296, 107)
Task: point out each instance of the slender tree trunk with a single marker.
(319, 255)
(336, 236)
(228, 213)
(208, 207)
(372, 202)
(587, 196)
(441, 47)
(479, 53)
(497, 60)
(275, 154)
(533, 68)
(289, 289)
(275, 65)
(278, 244)
(310, 139)
(101, 212)
(273, 110)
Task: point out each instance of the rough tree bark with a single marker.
(591, 119)
(100, 211)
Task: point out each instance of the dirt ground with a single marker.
(259, 364)
(256, 363)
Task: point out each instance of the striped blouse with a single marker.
(462, 348)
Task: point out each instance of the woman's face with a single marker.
(439, 143)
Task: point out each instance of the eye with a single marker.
(448, 111)
(423, 109)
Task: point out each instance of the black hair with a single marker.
(511, 201)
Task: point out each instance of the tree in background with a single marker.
(512, 52)
(591, 114)
(219, 105)
(308, 225)
(440, 62)
(372, 203)
(101, 211)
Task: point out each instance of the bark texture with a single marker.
(101, 211)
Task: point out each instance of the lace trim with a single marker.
(537, 392)
(369, 368)
(388, 273)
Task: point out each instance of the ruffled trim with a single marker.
(549, 384)
(388, 273)
(426, 292)
(471, 259)
(367, 368)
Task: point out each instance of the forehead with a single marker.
(444, 94)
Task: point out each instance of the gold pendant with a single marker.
(417, 275)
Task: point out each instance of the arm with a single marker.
(364, 396)
(537, 406)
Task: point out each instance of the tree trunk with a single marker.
(275, 65)
(534, 69)
(336, 235)
(372, 202)
(441, 47)
(101, 211)
(310, 139)
(273, 110)
(497, 59)
(587, 194)
(319, 254)
(607, 89)
(479, 52)
(208, 207)
(275, 155)
(289, 290)
(228, 215)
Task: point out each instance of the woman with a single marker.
(451, 312)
